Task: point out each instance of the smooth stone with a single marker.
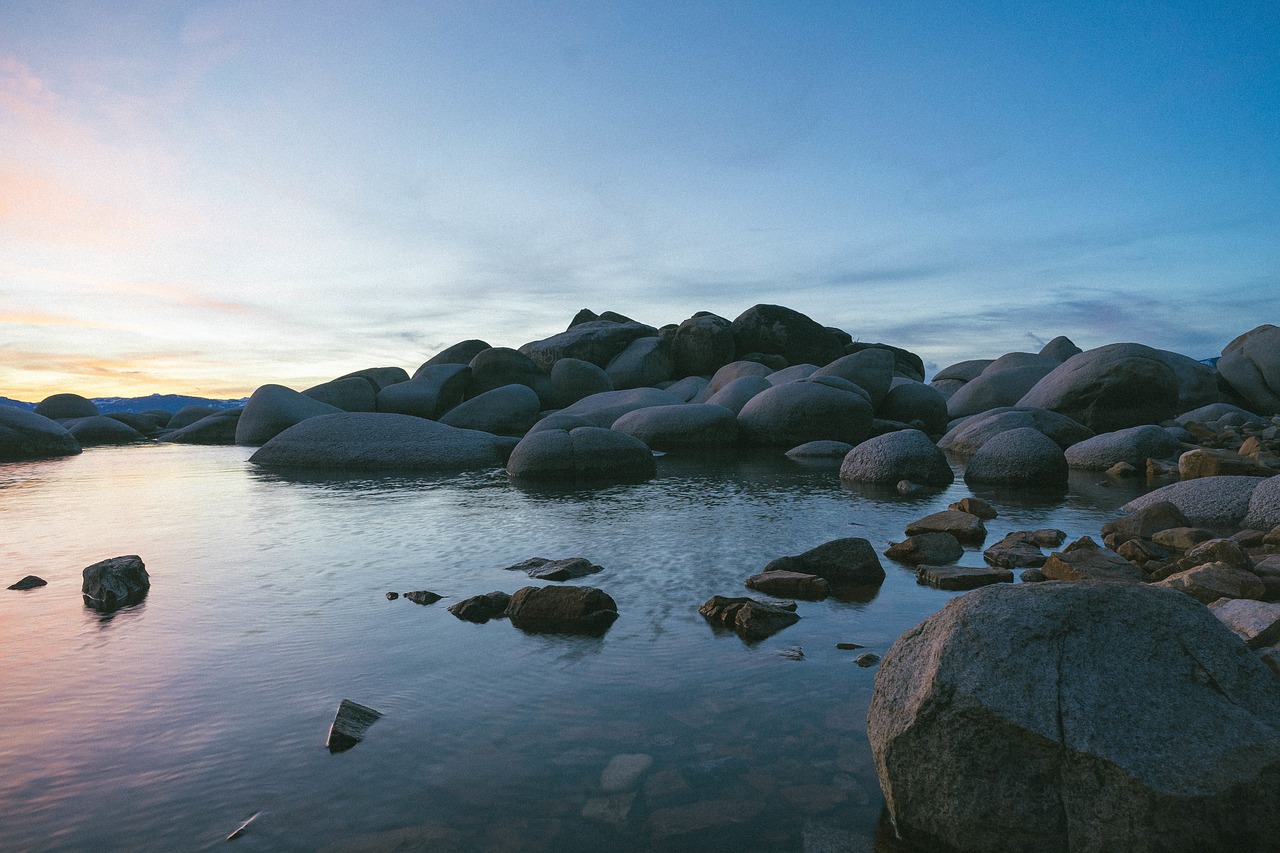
(904, 455)
(785, 332)
(842, 562)
(962, 525)
(870, 369)
(433, 390)
(1023, 457)
(459, 353)
(481, 608)
(968, 435)
(834, 451)
(423, 596)
(805, 410)
(994, 389)
(783, 584)
(101, 430)
(26, 435)
(1251, 365)
(737, 393)
(867, 659)
(975, 506)
(961, 577)
(352, 394)
(508, 410)
(1133, 445)
(689, 426)
(500, 366)
(702, 344)
(572, 379)
(218, 428)
(381, 377)
(596, 341)
(111, 584)
(732, 372)
(584, 453)
(562, 610)
(936, 548)
(1255, 622)
(623, 772)
(909, 401)
(1211, 462)
(29, 582)
(644, 363)
(272, 409)
(605, 408)
(65, 406)
(1109, 388)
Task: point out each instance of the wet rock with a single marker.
(114, 583)
(1019, 457)
(1018, 717)
(562, 610)
(1207, 462)
(967, 436)
(623, 772)
(29, 582)
(961, 577)
(423, 596)
(975, 506)
(26, 435)
(867, 659)
(392, 596)
(842, 562)
(540, 568)
(935, 548)
(349, 725)
(752, 620)
(584, 453)
(1209, 582)
(904, 455)
(817, 451)
(1018, 549)
(962, 525)
(353, 394)
(1085, 560)
(993, 389)
(482, 608)
(790, 585)
(1255, 622)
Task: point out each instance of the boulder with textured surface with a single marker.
(842, 562)
(562, 610)
(903, 455)
(909, 401)
(1020, 718)
(1251, 365)
(805, 410)
(1208, 582)
(63, 406)
(509, 410)
(820, 451)
(353, 394)
(99, 429)
(499, 366)
(998, 388)
(967, 436)
(433, 390)
(933, 548)
(26, 435)
(596, 341)
(870, 369)
(1214, 462)
(381, 442)
(1216, 502)
(752, 620)
(730, 372)
(1085, 560)
(644, 363)
(1264, 505)
(788, 333)
(687, 426)
(783, 584)
(572, 379)
(583, 453)
(1255, 622)
(965, 526)
(1021, 548)
(1144, 523)
(1133, 445)
(1019, 457)
(1109, 388)
(114, 583)
(702, 345)
(274, 408)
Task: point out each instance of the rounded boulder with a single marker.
(1019, 457)
(688, 426)
(895, 456)
(1109, 388)
(583, 453)
(26, 435)
(805, 410)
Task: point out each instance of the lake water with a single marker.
(166, 725)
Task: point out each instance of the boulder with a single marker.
(1020, 718)
(687, 426)
(1212, 462)
(730, 372)
(482, 608)
(596, 341)
(433, 390)
(702, 345)
(570, 568)
(188, 415)
(909, 401)
(584, 453)
(820, 451)
(996, 389)
(933, 548)
(752, 620)
(805, 410)
(379, 376)
(963, 525)
(685, 389)
(63, 406)
(562, 610)
(97, 430)
(114, 583)
(903, 455)
(966, 437)
(349, 725)
(782, 584)
(606, 407)
(1197, 381)
(509, 410)
(218, 428)
(1216, 502)
(644, 363)
(975, 506)
(738, 392)
(961, 577)
(146, 424)
(1208, 582)
(792, 373)
(1060, 348)
(1109, 388)
(29, 582)
(1144, 523)
(870, 369)
(1251, 366)
(1085, 560)
(950, 378)
(273, 409)
(1215, 412)
(353, 394)
(842, 562)
(905, 363)
(460, 353)
(26, 435)
(1019, 457)
(1133, 445)
(379, 441)
(500, 366)
(1021, 549)
(1255, 622)
(572, 379)
(1264, 505)
(788, 333)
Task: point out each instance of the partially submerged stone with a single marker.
(904, 455)
(850, 561)
(935, 548)
(540, 568)
(962, 525)
(1085, 560)
(349, 725)
(115, 583)
(975, 506)
(423, 596)
(583, 453)
(961, 577)
(1211, 462)
(562, 610)
(783, 584)
(1021, 549)
(29, 582)
(1209, 582)
(752, 620)
(27, 435)
(482, 608)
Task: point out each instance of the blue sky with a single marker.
(205, 197)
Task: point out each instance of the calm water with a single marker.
(167, 724)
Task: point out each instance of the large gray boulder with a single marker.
(967, 436)
(788, 333)
(1264, 506)
(806, 410)
(596, 341)
(353, 394)
(869, 369)
(844, 562)
(63, 406)
(188, 415)
(114, 583)
(273, 409)
(380, 441)
(433, 390)
(509, 410)
(606, 407)
(1251, 366)
(1060, 348)
(1213, 412)
(94, 431)
(379, 376)
(904, 455)
(1197, 381)
(1020, 718)
(702, 345)
(1109, 388)
(1134, 445)
(1018, 457)
(572, 379)
(499, 366)
(26, 435)
(698, 426)
(459, 353)
(734, 395)
(909, 400)
(584, 453)
(995, 389)
(906, 364)
(644, 363)
(218, 428)
(687, 388)
(1214, 502)
(732, 371)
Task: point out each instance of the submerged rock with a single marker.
(423, 596)
(29, 582)
(752, 620)
(114, 583)
(562, 610)
(540, 568)
(790, 585)
(349, 725)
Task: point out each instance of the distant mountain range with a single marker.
(167, 402)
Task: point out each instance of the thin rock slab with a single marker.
(562, 610)
(1086, 560)
(482, 608)
(962, 525)
(349, 725)
(540, 568)
(115, 583)
(782, 584)
(961, 577)
(1255, 622)
(752, 620)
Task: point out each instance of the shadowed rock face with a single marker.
(112, 584)
(1110, 388)
(596, 341)
(1019, 718)
(788, 333)
(61, 406)
(1251, 364)
(26, 435)
(562, 610)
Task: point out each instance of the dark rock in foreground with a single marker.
(562, 610)
(29, 582)
(349, 725)
(114, 583)
(482, 608)
(26, 435)
(63, 406)
(842, 562)
(752, 620)
(1020, 718)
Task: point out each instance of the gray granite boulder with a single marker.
(145, 423)
(606, 407)
(596, 341)
(904, 455)
(353, 394)
(1018, 457)
(459, 353)
(805, 410)
(906, 364)
(114, 583)
(562, 610)
(995, 389)
(273, 409)
(1085, 560)
(188, 415)
(702, 345)
(1020, 718)
(1214, 412)
(909, 401)
(433, 390)
(1134, 445)
(1214, 502)
(1060, 348)
(644, 363)
(735, 394)
(218, 428)
(572, 379)
(687, 388)
(935, 549)
(584, 453)
(869, 369)
(379, 441)
(1264, 506)
(26, 435)
(1109, 388)
(963, 371)
(966, 437)
(499, 366)
(790, 585)
(63, 406)
(1251, 365)
(1197, 381)
(792, 373)
(820, 451)
(782, 331)
(841, 562)
(731, 371)
(97, 430)
(688, 426)
(509, 410)
(379, 376)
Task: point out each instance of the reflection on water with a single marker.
(165, 725)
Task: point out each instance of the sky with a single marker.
(204, 197)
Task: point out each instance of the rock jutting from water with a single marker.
(115, 583)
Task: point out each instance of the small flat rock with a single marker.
(752, 620)
(29, 582)
(1211, 581)
(1016, 550)
(790, 585)
(975, 506)
(962, 577)
(349, 725)
(1255, 622)
(423, 596)
(705, 814)
(481, 608)
(564, 570)
(392, 596)
(965, 526)
(848, 647)
(623, 772)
